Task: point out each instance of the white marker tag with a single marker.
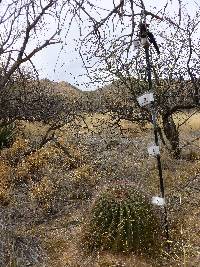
(144, 41)
(159, 201)
(136, 44)
(145, 99)
(153, 150)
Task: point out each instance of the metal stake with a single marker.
(159, 165)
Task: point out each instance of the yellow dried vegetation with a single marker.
(30, 167)
(188, 122)
(43, 193)
(33, 166)
(16, 151)
(5, 177)
(85, 174)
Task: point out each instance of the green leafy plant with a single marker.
(123, 220)
(7, 135)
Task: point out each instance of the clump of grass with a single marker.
(123, 220)
(4, 197)
(5, 182)
(188, 123)
(107, 259)
(44, 195)
(193, 155)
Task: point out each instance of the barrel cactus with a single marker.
(123, 220)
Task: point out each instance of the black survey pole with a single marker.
(159, 165)
(153, 113)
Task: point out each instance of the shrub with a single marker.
(43, 193)
(4, 196)
(193, 155)
(33, 166)
(123, 220)
(83, 180)
(6, 135)
(5, 182)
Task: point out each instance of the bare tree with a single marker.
(110, 57)
(26, 28)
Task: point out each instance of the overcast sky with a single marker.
(67, 65)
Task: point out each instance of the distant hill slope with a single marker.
(118, 98)
(67, 89)
(63, 88)
(108, 97)
(109, 94)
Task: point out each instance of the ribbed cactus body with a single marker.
(123, 220)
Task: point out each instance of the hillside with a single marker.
(109, 176)
(51, 177)
(56, 166)
(62, 87)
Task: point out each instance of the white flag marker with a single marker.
(159, 201)
(144, 41)
(153, 150)
(145, 99)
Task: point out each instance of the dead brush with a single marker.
(82, 181)
(32, 168)
(5, 183)
(16, 151)
(43, 194)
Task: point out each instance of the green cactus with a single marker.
(123, 220)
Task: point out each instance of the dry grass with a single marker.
(191, 123)
(60, 236)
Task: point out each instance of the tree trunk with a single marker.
(172, 134)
